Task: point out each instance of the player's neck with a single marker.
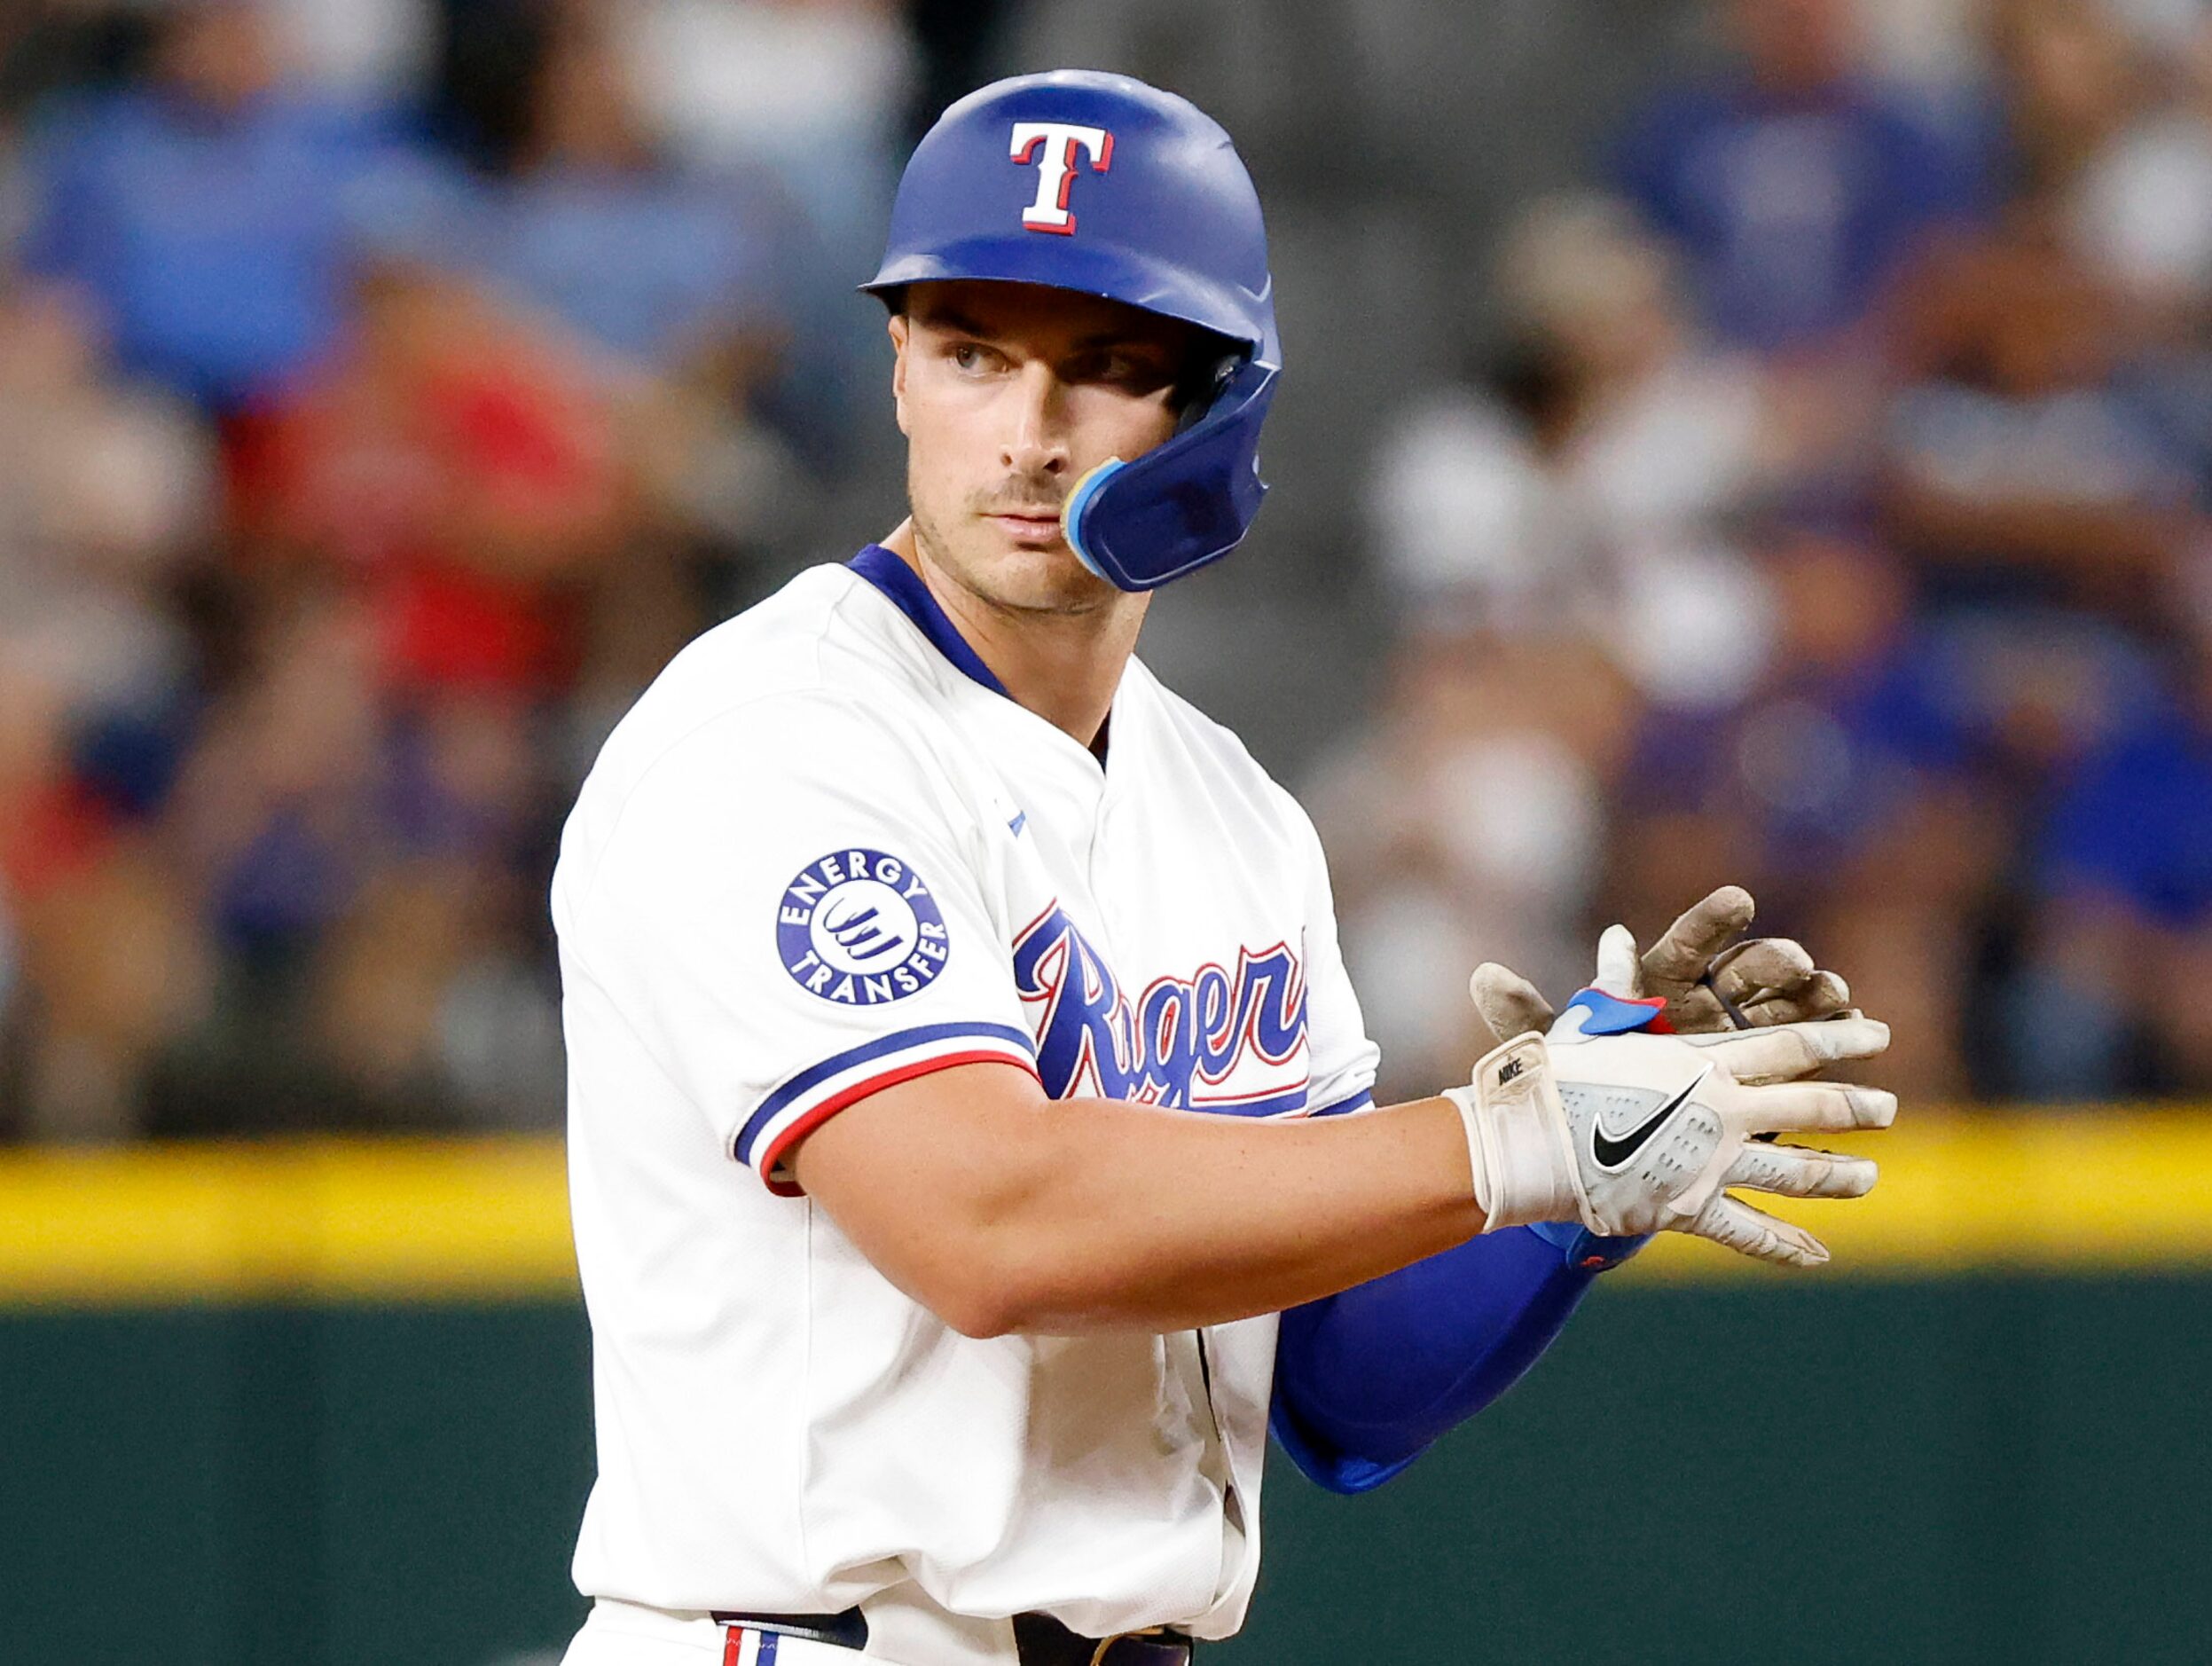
(1064, 667)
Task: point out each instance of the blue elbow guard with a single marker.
(1338, 1471)
(1367, 1379)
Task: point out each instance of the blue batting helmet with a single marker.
(1097, 183)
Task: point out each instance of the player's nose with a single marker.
(1036, 441)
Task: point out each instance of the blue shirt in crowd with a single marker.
(647, 263)
(215, 245)
(1791, 217)
(2133, 823)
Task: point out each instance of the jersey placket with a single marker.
(1214, 1462)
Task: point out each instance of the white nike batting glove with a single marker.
(1706, 983)
(1630, 1132)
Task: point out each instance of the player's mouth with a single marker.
(1033, 527)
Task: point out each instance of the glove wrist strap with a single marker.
(1517, 1138)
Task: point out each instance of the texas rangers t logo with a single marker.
(1050, 147)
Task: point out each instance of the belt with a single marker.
(1040, 1640)
(849, 1629)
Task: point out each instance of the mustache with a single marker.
(1020, 497)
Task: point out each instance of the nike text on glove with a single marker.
(1641, 1133)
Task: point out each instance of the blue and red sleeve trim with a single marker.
(804, 1102)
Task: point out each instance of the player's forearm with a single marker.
(1091, 1214)
(1161, 1220)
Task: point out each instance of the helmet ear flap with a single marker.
(1185, 503)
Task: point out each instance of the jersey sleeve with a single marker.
(1344, 1059)
(790, 913)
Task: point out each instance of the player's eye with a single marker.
(972, 357)
(1132, 371)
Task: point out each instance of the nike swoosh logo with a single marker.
(1615, 1153)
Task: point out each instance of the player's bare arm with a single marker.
(1003, 1211)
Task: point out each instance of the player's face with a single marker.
(1009, 394)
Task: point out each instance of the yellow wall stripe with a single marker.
(2089, 1190)
(340, 1220)
(321, 1219)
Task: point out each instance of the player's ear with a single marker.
(900, 334)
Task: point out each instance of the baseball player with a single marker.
(1014, 983)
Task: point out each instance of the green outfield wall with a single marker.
(358, 1430)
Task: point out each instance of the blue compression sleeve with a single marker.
(1366, 1378)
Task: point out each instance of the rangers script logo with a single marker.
(1179, 1041)
(861, 929)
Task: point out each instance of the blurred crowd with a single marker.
(1828, 514)
(388, 387)
(385, 390)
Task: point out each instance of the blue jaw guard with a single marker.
(1187, 502)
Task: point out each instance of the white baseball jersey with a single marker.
(824, 853)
